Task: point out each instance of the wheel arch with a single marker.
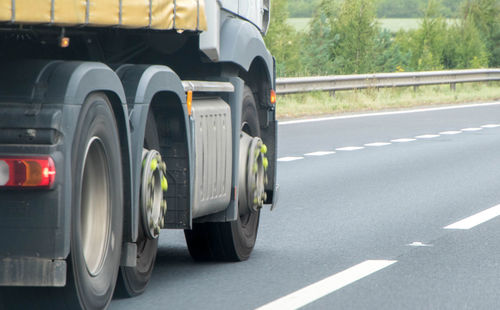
(261, 83)
(242, 44)
(159, 88)
(69, 84)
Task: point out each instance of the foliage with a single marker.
(302, 8)
(344, 38)
(345, 34)
(465, 49)
(385, 9)
(413, 8)
(283, 41)
(485, 15)
(389, 55)
(426, 44)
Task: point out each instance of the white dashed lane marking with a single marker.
(286, 159)
(320, 153)
(405, 140)
(327, 286)
(427, 136)
(476, 219)
(378, 144)
(350, 148)
(491, 126)
(451, 132)
(420, 244)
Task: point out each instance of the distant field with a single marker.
(299, 24)
(391, 24)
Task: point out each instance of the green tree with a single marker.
(389, 56)
(344, 34)
(302, 8)
(283, 41)
(413, 8)
(319, 42)
(465, 48)
(485, 14)
(426, 44)
(399, 8)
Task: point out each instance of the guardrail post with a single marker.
(453, 86)
(332, 93)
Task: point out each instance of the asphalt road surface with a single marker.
(380, 211)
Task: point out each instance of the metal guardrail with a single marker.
(380, 80)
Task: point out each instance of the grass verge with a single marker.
(322, 103)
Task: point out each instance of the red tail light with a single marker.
(27, 172)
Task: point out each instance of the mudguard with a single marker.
(242, 43)
(142, 83)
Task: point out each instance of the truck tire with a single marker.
(96, 218)
(230, 241)
(134, 280)
(97, 214)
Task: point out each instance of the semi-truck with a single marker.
(120, 119)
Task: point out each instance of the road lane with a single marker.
(340, 209)
(459, 271)
(326, 135)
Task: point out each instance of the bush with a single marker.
(283, 41)
(344, 38)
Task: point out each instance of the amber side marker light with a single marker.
(64, 42)
(189, 102)
(27, 172)
(273, 96)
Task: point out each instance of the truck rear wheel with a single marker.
(133, 280)
(231, 241)
(97, 213)
(96, 218)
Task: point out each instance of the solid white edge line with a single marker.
(476, 219)
(327, 286)
(322, 119)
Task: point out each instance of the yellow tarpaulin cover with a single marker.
(154, 14)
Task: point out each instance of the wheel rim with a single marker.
(252, 175)
(154, 184)
(95, 217)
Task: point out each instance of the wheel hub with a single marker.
(253, 165)
(153, 186)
